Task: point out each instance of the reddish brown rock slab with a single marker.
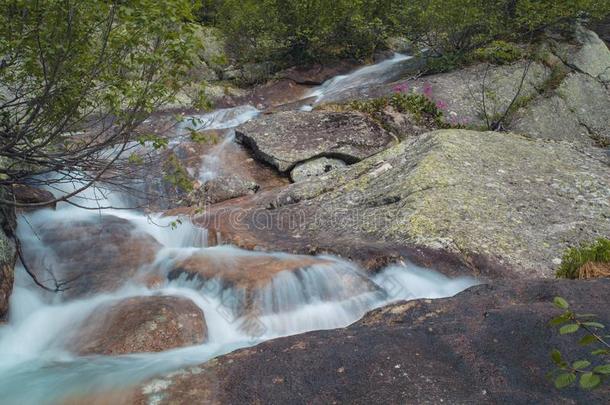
(141, 324)
(246, 281)
(489, 344)
(242, 269)
(91, 255)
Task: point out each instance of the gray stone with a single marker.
(227, 187)
(589, 101)
(591, 56)
(287, 138)
(516, 201)
(550, 118)
(314, 168)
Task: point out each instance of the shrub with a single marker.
(498, 53)
(575, 259)
(302, 31)
(421, 106)
(449, 26)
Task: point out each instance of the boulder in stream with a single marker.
(140, 324)
(89, 255)
(256, 283)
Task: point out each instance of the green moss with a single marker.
(498, 53)
(575, 258)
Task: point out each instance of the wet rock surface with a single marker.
(516, 201)
(453, 350)
(90, 256)
(246, 281)
(140, 324)
(287, 138)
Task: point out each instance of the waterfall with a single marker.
(294, 294)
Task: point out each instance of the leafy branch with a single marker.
(590, 372)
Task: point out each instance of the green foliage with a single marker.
(498, 53)
(317, 30)
(176, 175)
(590, 372)
(67, 65)
(575, 258)
(459, 26)
(302, 31)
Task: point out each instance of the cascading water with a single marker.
(383, 72)
(283, 294)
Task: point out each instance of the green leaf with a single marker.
(561, 319)
(594, 325)
(571, 328)
(580, 364)
(589, 381)
(605, 369)
(564, 380)
(600, 352)
(561, 303)
(556, 356)
(587, 340)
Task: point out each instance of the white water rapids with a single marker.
(38, 367)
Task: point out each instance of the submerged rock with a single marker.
(89, 256)
(484, 196)
(453, 350)
(315, 168)
(287, 138)
(140, 324)
(247, 281)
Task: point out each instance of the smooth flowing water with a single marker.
(380, 73)
(37, 365)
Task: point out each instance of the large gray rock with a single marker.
(287, 138)
(578, 111)
(515, 201)
(489, 344)
(590, 55)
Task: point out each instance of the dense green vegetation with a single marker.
(596, 254)
(77, 76)
(315, 30)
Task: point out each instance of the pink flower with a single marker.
(401, 88)
(441, 105)
(428, 90)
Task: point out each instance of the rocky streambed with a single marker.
(337, 254)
